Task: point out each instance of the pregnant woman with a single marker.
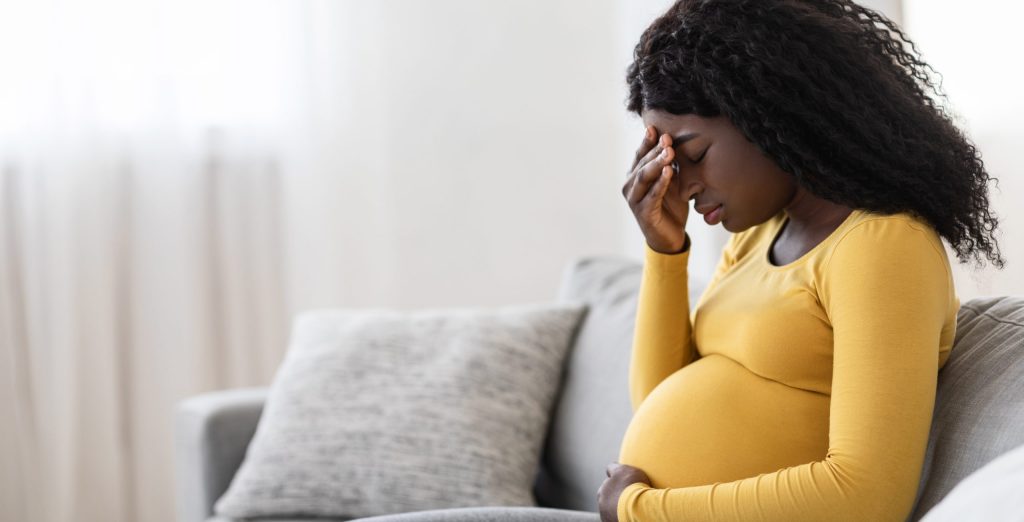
(801, 385)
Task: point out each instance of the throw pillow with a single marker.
(978, 414)
(380, 411)
(990, 494)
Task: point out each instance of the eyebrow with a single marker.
(683, 138)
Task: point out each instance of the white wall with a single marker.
(474, 146)
(976, 47)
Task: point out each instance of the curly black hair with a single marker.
(828, 90)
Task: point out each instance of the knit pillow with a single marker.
(991, 493)
(379, 411)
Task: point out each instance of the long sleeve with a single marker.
(886, 291)
(662, 340)
(661, 337)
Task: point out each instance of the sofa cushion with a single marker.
(593, 408)
(991, 494)
(979, 407)
(379, 411)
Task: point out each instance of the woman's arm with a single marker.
(662, 340)
(887, 293)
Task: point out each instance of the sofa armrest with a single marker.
(212, 432)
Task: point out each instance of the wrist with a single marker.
(668, 252)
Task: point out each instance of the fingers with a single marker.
(645, 145)
(647, 169)
(639, 184)
(649, 149)
(611, 467)
(660, 188)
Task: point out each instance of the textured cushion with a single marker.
(593, 408)
(979, 410)
(380, 411)
(991, 494)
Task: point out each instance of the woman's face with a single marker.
(733, 171)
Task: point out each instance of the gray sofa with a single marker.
(979, 411)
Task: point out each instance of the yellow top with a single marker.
(801, 392)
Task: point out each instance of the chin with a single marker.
(732, 227)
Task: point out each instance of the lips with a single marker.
(712, 213)
(704, 209)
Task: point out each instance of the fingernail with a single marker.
(649, 134)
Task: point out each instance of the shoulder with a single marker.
(878, 262)
(870, 238)
(899, 255)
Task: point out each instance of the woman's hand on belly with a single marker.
(619, 476)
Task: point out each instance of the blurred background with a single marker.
(178, 179)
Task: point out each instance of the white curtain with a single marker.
(140, 238)
(179, 178)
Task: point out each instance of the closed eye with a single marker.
(702, 154)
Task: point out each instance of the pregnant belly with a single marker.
(715, 421)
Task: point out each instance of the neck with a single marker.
(807, 211)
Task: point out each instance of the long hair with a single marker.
(835, 94)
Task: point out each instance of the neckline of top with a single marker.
(766, 255)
